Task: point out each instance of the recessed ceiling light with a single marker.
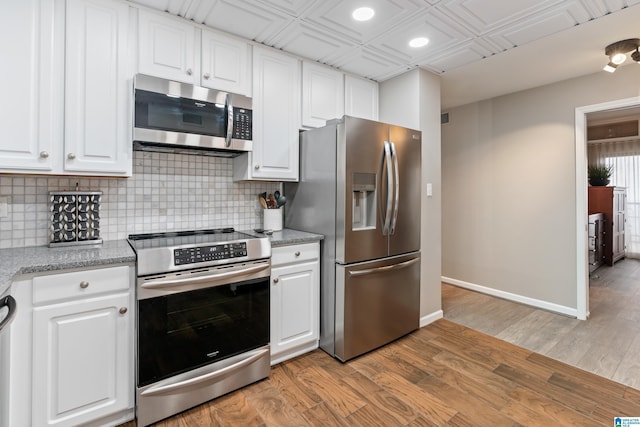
(363, 14)
(419, 42)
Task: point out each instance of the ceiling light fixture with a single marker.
(419, 42)
(617, 53)
(363, 13)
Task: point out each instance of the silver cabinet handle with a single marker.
(276, 280)
(9, 302)
(71, 156)
(84, 284)
(297, 253)
(189, 71)
(123, 310)
(206, 76)
(256, 167)
(44, 154)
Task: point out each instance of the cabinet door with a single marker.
(97, 84)
(83, 364)
(322, 94)
(361, 98)
(294, 306)
(276, 116)
(619, 212)
(167, 48)
(27, 117)
(225, 63)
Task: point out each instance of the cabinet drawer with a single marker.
(294, 253)
(80, 284)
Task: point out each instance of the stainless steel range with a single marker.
(203, 317)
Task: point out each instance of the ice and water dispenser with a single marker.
(363, 199)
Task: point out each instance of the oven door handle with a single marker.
(210, 376)
(170, 283)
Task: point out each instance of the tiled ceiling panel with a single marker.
(251, 20)
(370, 64)
(304, 40)
(335, 15)
(461, 32)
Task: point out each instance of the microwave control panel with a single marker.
(242, 124)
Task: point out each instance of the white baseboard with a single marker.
(545, 305)
(430, 318)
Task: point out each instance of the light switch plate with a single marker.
(4, 207)
(429, 189)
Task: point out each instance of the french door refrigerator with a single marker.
(360, 187)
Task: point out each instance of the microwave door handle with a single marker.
(228, 107)
(396, 189)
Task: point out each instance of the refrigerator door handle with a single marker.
(396, 189)
(386, 164)
(399, 266)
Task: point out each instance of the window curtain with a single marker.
(624, 156)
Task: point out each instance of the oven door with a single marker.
(191, 319)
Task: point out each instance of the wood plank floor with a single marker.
(444, 374)
(607, 344)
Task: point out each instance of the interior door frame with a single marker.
(582, 254)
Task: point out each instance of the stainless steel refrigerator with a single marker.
(360, 187)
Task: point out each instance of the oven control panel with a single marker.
(209, 253)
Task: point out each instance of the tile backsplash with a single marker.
(166, 192)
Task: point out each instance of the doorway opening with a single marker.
(582, 265)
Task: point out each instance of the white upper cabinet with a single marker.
(27, 118)
(322, 94)
(226, 63)
(175, 49)
(361, 98)
(276, 119)
(167, 48)
(70, 110)
(97, 85)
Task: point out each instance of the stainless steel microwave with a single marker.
(179, 117)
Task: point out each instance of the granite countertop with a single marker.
(40, 259)
(288, 236)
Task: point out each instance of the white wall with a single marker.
(413, 100)
(509, 195)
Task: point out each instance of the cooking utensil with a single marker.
(276, 195)
(271, 202)
(263, 202)
(281, 201)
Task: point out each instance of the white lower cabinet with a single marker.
(81, 325)
(295, 300)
